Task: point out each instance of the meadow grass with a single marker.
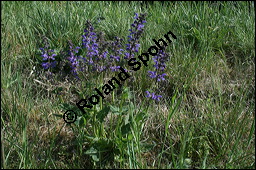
(205, 119)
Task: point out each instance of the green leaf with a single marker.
(140, 117)
(95, 158)
(130, 137)
(114, 109)
(117, 111)
(103, 113)
(81, 121)
(93, 153)
(126, 119)
(125, 129)
(124, 110)
(91, 138)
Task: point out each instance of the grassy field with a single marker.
(205, 119)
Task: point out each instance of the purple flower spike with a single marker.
(152, 74)
(136, 30)
(136, 15)
(46, 65)
(161, 77)
(153, 96)
(148, 94)
(73, 58)
(115, 68)
(48, 56)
